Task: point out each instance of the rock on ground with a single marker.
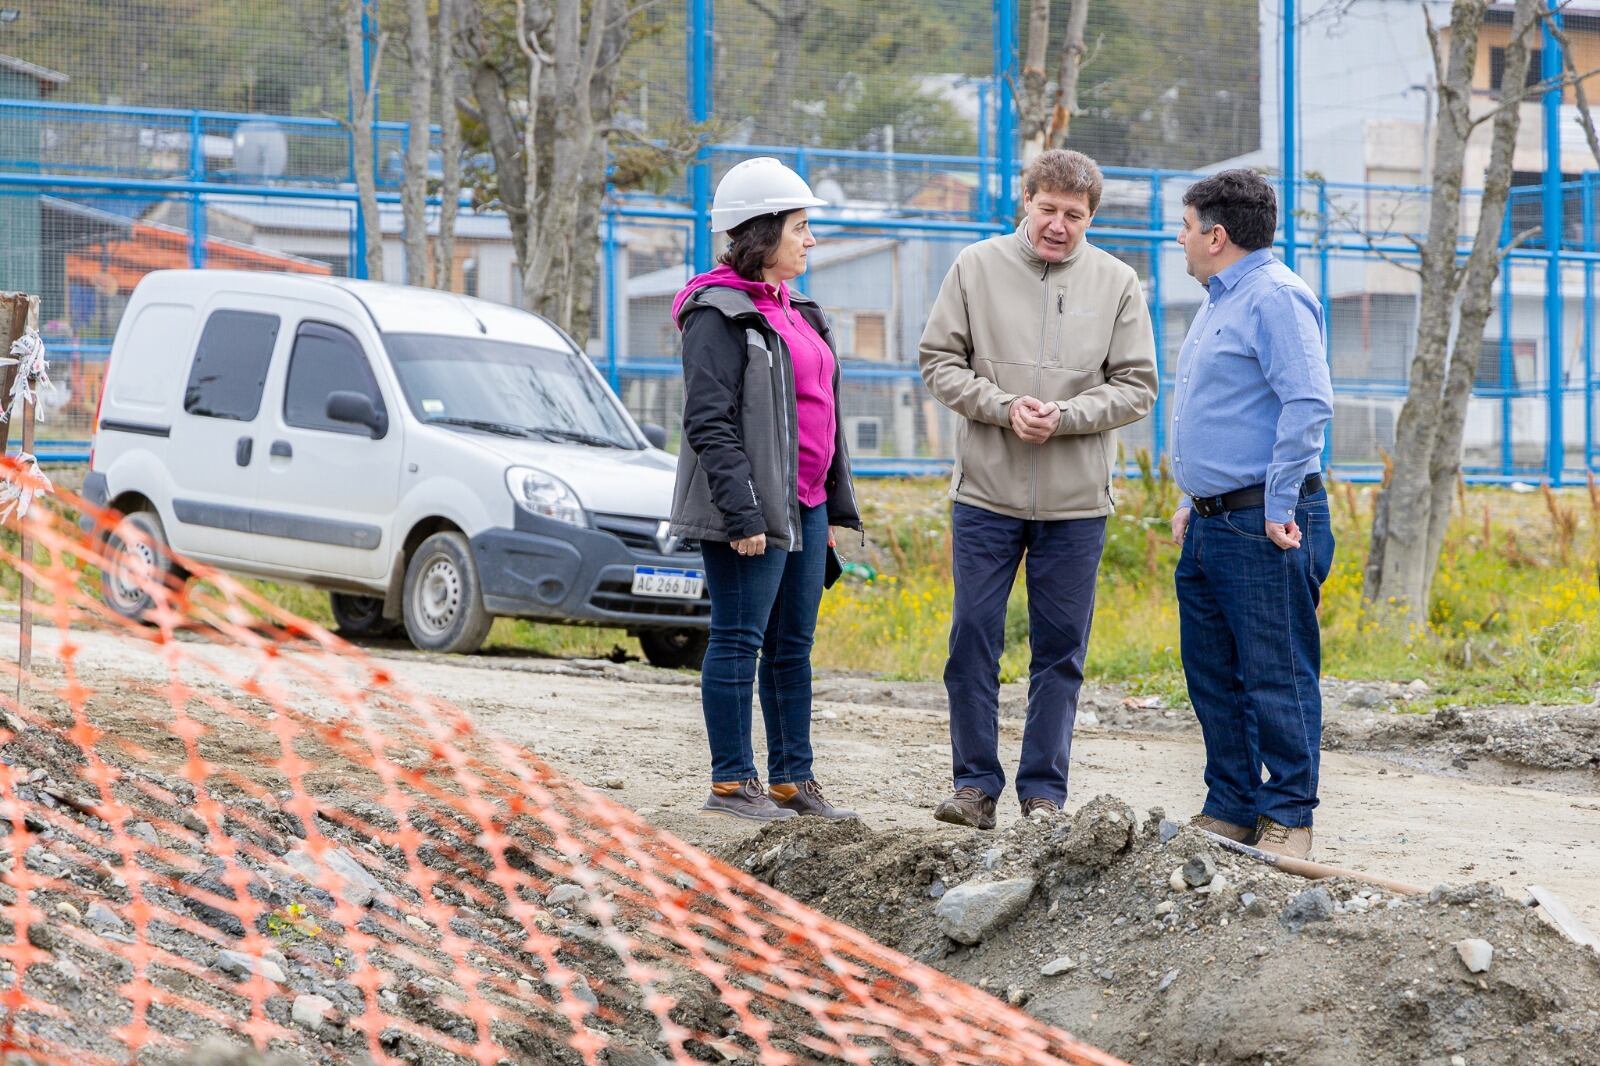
(969, 913)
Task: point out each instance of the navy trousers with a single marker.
(1252, 657)
(1063, 558)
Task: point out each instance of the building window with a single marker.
(872, 336)
(1497, 67)
(1523, 371)
(469, 277)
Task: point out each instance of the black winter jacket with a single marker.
(739, 462)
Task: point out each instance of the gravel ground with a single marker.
(1089, 922)
(1487, 801)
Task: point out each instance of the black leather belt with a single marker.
(1250, 496)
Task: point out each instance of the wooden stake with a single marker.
(19, 311)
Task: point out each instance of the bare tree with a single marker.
(1413, 507)
(363, 98)
(544, 77)
(449, 147)
(1073, 55)
(1044, 111)
(419, 138)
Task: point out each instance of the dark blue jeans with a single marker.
(763, 605)
(1063, 558)
(1252, 656)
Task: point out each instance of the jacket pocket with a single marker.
(1082, 339)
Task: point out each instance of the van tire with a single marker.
(137, 546)
(362, 616)
(443, 601)
(674, 649)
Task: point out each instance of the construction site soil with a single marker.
(1084, 918)
(1251, 966)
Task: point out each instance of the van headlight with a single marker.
(545, 494)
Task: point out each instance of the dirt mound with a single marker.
(1540, 738)
(1233, 963)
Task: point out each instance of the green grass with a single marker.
(1515, 615)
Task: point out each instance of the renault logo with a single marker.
(664, 538)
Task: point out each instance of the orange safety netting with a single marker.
(228, 820)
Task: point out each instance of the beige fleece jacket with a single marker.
(1077, 333)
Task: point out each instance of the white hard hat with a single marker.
(756, 187)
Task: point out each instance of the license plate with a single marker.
(669, 582)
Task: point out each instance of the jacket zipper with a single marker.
(1038, 383)
(790, 442)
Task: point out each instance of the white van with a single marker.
(432, 460)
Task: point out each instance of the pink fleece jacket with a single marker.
(813, 374)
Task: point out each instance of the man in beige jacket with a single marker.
(1041, 342)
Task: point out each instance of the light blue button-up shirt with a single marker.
(1253, 394)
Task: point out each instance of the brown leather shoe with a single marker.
(1038, 805)
(1242, 833)
(967, 806)
(1281, 840)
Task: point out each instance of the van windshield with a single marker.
(511, 389)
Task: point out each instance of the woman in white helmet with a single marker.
(762, 474)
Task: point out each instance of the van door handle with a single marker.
(242, 449)
(282, 450)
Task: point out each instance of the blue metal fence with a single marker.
(1526, 414)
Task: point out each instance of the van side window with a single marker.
(326, 359)
(230, 365)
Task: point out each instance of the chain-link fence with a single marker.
(145, 135)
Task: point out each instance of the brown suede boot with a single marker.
(1281, 840)
(1242, 833)
(967, 806)
(1039, 805)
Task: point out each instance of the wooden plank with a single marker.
(1556, 911)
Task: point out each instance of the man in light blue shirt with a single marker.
(1252, 402)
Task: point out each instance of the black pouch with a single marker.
(832, 568)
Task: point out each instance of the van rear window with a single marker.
(230, 365)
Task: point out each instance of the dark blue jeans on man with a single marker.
(1063, 558)
(763, 605)
(1252, 655)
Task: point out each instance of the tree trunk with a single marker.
(363, 94)
(1033, 101)
(1477, 286)
(1413, 508)
(788, 19)
(550, 160)
(419, 136)
(1073, 53)
(449, 148)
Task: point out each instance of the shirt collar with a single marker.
(1229, 276)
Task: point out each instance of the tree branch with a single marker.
(765, 10)
(1536, 89)
(1585, 117)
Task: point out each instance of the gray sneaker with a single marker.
(751, 803)
(809, 801)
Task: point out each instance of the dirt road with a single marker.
(882, 748)
(1408, 812)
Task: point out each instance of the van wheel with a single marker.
(443, 605)
(137, 557)
(362, 616)
(674, 649)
